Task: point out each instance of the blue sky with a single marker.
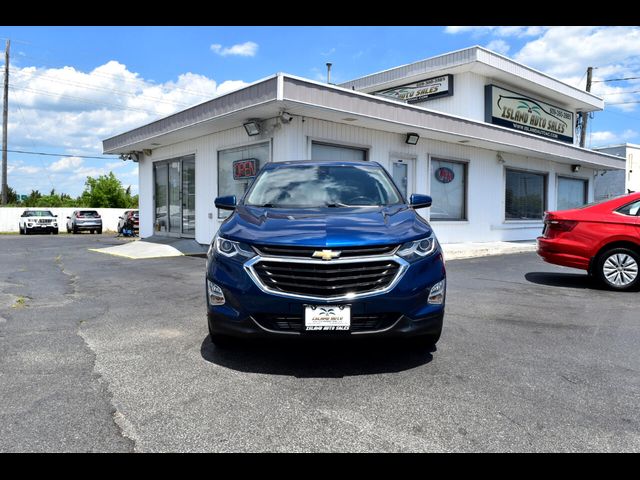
(74, 86)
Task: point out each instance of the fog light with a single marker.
(436, 295)
(216, 297)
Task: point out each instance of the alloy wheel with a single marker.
(620, 269)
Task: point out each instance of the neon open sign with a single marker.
(243, 169)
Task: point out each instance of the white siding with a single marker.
(486, 176)
(467, 99)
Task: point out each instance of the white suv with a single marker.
(38, 221)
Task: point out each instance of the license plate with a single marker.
(327, 317)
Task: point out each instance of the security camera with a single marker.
(286, 117)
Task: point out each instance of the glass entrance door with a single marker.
(189, 197)
(402, 173)
(175, 196)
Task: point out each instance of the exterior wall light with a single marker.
(252, 127)
(412, 138)
(575, 168)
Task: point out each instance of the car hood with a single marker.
(325, 227)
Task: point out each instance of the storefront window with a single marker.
(448, 190)
(525, 195)
(572, 193)
(324, 151)
(235, 176)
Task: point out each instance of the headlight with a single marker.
(436, 294)
(418, 248)
(216, 296)
(229, 248)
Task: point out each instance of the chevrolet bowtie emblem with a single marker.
(325, 254)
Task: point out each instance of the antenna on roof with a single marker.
(329, 72)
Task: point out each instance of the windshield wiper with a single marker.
(337, 204)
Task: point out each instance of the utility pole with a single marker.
(585, 115)
(329, 72)
(5, 115)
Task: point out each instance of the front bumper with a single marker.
(249, 311)
(41, 228)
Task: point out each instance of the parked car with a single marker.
(322, 249)
(132, 215)
(84, 220)
(32, 221)
(601, 238)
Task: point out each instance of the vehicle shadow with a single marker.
(567, 280)
(327, 358)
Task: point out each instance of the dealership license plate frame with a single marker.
(316, 324)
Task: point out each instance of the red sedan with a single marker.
(601, 238)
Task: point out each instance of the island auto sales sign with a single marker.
(517, 111)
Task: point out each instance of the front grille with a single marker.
(44, 220)
(307, 252)
(328, 279)
(359, 323)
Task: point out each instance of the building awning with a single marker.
(267, 98)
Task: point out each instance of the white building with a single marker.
(609, 183)
(495, 144)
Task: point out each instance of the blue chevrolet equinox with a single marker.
(325, 249)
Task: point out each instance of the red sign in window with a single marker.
(445, 175)
(245, 168)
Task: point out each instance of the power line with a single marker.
(624, 103)
(84, 100)
(615, 79)
(122, 79)
(43, 76)
(59, 154)
(619, 93)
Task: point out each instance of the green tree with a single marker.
(12, 196)
(106, 191)
(33, 200)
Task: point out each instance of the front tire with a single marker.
(55, 232)
(617, 269)
(99, 231)
(75, 230)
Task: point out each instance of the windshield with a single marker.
(88, 213)
(38, 213)
(308, 186)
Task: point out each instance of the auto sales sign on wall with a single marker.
(420, 91)
(517, 111)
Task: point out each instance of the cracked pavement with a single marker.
(109, 354)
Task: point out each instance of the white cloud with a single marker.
(246, 49)
(499, 46)
(66, 164)
(510, 31)
(605, 137)
(70, 111)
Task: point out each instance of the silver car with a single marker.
(84, 220)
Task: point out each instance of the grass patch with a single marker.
(21, 302)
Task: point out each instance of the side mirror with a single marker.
(69, 218)
(226, 203)
(419, 201)
(118, 217)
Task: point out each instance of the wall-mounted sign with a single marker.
(420, 91)
(517, 111)
(243, 169)
(444, 175)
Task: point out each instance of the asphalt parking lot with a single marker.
(101, 353)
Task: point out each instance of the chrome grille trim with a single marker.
(403, 265)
